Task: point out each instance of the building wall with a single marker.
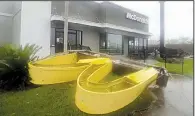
(125, 33)
(6, 22)
(105, 12)
(16, 22)
(35, 25)
(57, 8)
(5, 30)
(84, 10)
(6, 7)
(16, 6)
(117, 15)
(10, 25)
(91, 39)
(16, 28)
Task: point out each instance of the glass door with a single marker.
(59, 40)
(131, 46)
(74, 39)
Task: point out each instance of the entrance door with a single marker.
(74, 39)
(59, 41)
(131, 46)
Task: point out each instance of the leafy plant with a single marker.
(14, 65)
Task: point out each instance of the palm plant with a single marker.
(14, 65)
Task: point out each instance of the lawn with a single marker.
(55, 100)
(177, 68)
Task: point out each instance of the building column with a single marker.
(66, 26)
(36, 25)
(162, 31)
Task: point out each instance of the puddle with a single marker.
(174, 100)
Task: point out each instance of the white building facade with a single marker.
(103, 27)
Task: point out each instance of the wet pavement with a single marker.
(174, 100)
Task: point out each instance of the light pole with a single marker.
(162, 32)
(66, 26)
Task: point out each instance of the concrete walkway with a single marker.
(147, 61)
(174, 100)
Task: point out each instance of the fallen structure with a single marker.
(93, 94)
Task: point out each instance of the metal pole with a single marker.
(162, 28)
(165, 61)
(66, 26)
(182, 65)
(144, 50)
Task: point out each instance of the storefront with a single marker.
(104, 27)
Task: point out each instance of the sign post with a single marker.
(182, 61)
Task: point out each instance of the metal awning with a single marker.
(100, 25)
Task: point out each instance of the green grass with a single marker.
(177, 68)
(54, 100)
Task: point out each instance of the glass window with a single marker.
(72, 39)
(114, 43)
(52, 42)
(145, 43)
(79, 37)
(136, 43)
(141, 44)
(102, 41)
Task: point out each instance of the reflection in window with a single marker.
(141, 44)
(145, 43)
(114, 43)
(72, 39)
(136, 43)
(103, 41)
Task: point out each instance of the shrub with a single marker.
(14, 65)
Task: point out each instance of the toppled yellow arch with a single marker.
(92, 96)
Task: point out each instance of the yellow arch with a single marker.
(92, 96)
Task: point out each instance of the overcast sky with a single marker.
(178, 16)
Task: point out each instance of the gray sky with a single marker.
(178, 16)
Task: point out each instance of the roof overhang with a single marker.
(100, 25)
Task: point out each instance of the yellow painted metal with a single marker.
(93, 96)
(100, 98)
(56, 69)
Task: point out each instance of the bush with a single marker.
(14, 65)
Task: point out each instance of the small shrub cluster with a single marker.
(14, 65)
